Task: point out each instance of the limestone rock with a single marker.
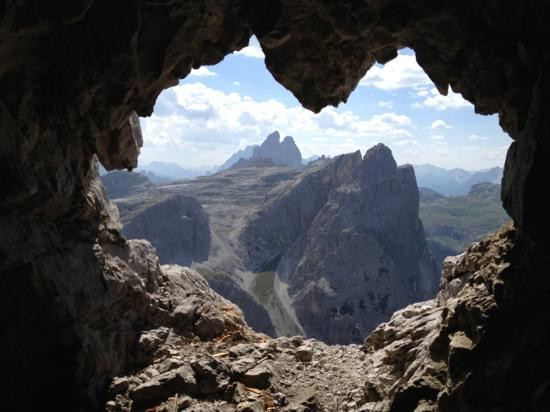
(258, 377)
(352, 249)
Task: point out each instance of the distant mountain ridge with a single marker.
(284, 153)
(245, 153)
(168, 171)
(272, 152)
(452, 223)
(454, 182)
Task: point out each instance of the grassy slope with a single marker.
(452, 223)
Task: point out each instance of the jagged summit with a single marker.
(284, 153)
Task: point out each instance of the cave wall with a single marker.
(74, 75)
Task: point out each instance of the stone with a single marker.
(258, 377)
(241, 366)
(211, 375)
(304, 353)
(209, 326)
(250, 406)
(119, 385)
(184, 314)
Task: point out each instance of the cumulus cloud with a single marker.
(203, 71)
(436, 101)
(251, 51)
(401, 72)
(437, 138)
(195, 115)
(439, 124)
(236, 83)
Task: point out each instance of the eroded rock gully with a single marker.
(75, 296)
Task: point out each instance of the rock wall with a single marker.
(347, 240)
(479, 345)
(73, 76)
(177, 227)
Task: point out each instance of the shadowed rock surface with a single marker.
(74, 76)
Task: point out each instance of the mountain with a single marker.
(170, 171)
(176, 226)
(309, 159)
(328, 251)
(348, 248)
(455, 181)
(452, 223)
(284, 153)
(120, 184)
(245, 153)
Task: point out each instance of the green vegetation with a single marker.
(452, 223)
(262, 286)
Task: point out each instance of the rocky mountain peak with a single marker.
(284, 153)
(378, 163)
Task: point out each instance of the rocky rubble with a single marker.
(446, 354)
(244, 372)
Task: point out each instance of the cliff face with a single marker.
(348, 243)
(177, 227)
(365, 255)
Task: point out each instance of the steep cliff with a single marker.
(348, 243)
(365, 255)
(176, 226)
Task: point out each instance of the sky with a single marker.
(219, 109)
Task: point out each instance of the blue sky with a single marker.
(220, 109)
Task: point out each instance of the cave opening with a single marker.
(74, 78)
(198, 159)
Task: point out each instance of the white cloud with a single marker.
(401, 72)
(437, 124)
(437, 137)
(236, 83)
(196, 116)
(385, 104)
(251, 51)
(202, 71)
(436, 101)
